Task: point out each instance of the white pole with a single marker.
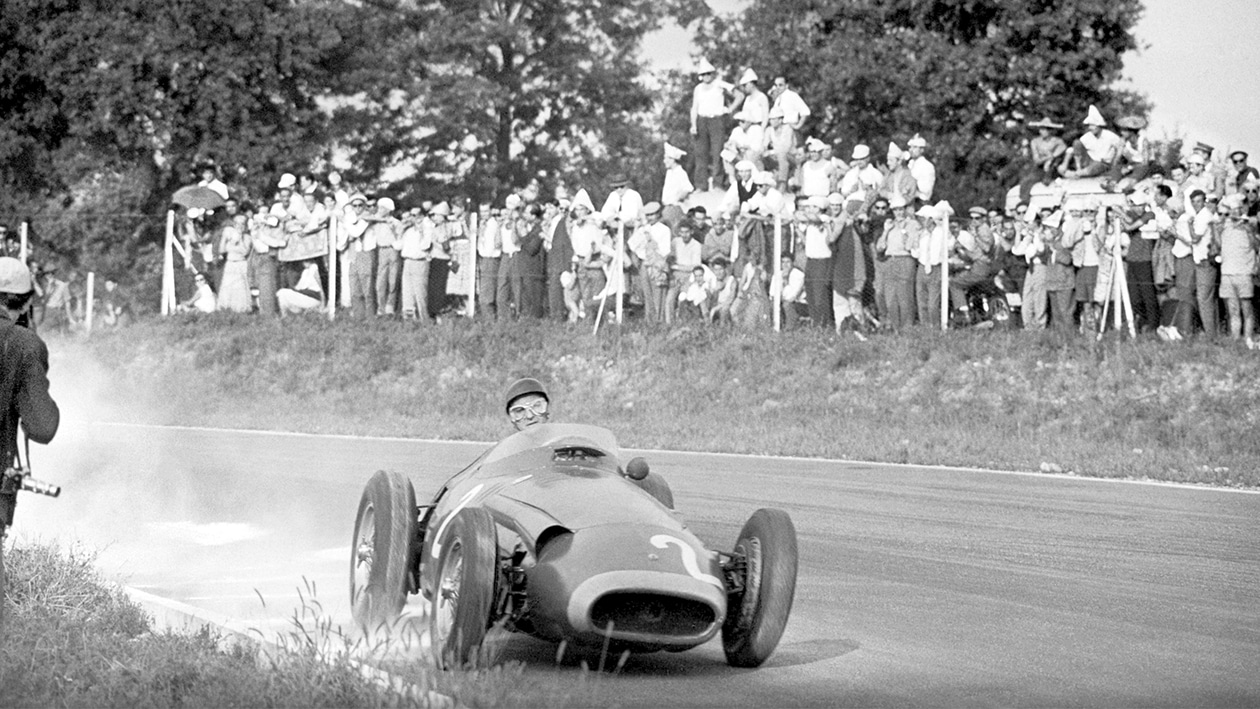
(779, 275)
(91, 296)
(473, 241)
(25, 250)
(620, 270)
(1117, 283)
(333, 222)
(168, 265)
(944, 227)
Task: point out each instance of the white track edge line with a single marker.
(753, 456)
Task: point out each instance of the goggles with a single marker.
(521, 411)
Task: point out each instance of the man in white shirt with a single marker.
(708, 124)
(921, 168)
(862, 175)
(790, 103)
(507, 299)
(651, 246)
(686, 256)
(790, 287)
(623, 205)
(361, 245)
(677, 185)
(780, 142)
(489, 253)
(1095, 152)
(740, 191)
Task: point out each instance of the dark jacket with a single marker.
(24, 390)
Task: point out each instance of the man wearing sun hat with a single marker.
(899, 181)
(923, 170)
(1045, 151)
(708, 124)
(677, 186)
(1095, 152)
(780, 147)
(862, 175)
(756, 104)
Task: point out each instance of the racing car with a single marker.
(547, 533)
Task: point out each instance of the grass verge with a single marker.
(1015, 400)
(72, 640)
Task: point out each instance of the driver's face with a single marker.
(528, 410)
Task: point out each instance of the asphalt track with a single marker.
(917, 586)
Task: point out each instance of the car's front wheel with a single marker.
(382, 550)
(766, 558)
(463, 599)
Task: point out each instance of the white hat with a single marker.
(583, 199)
(747, 76)
(835, 199)
(776, 112)
(704, 67)
(673, 152)
(287, 181)
(894, 152)
(1233, 201)
(812, 144)
(1196, 158)
(567, 278)
(944, 209)
(651, 208)
(512, 201)
(861, 152)
(745, 166)
(897, 200)
(1139, 198)
(917, 142)
(1055, 220)
(856, 196)
(763, 177)
(1094, 117)
(929, 211)
(441, 208)
(817, 201)
(385, 202)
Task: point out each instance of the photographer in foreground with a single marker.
(24, 394)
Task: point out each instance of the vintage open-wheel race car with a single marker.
(548, 534)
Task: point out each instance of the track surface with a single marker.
(917, 586)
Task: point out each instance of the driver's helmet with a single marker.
(521, 387)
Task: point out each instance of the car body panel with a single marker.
(601, 558)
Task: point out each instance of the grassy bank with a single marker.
(1017, 400)
(70, 639)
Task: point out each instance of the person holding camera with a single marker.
(23, 376)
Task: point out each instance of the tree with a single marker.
(486, 94)
(967, 74)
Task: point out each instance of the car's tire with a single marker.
(465, 588)
(382, 550)
(756, 616)
(658, 487)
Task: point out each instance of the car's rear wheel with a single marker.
(658, 487)
(382, 550)
(757, 614)
(463, 599)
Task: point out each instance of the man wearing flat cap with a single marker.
(24, 398)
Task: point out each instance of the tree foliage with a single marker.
(966, 74)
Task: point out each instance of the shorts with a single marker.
(1086, 279)
(1236, 285)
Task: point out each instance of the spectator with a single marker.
(862, 175)
(741, 190)
(899, 181)
(708, 125)
(1238, 240)
(974, 257)
(933, 246)
(818, 259)
(848, 265)
(780, 146)
(685, 258)
(530, 262)
(923, 170)
(443, 228)
(489, 253)
(650, 248)
(1045, 152)
(815, 175)
(1242, 172)
(559, 256)
(1185, 286)
(1198, 178)
(266, 239)
(755, 103)
(210, 180)
(743, 145)
(386, 231)
(623, 205)
(677, 187)
(693, 299)
(1139, 222)
(234, 292)
(1135, 156)
(415, 244)
(789, 286)
(790, 104)
(1060, 277)
(361, 245)
(897, 247)
(592, 249)
(202, 300)
(508, 298)
(1095, 152)
(723, 290)
(305, 296)
(1078, 230)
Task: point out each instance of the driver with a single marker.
(527, 403)
(23, 376)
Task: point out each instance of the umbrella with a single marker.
(197, 197)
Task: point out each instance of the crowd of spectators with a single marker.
(862, 242)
